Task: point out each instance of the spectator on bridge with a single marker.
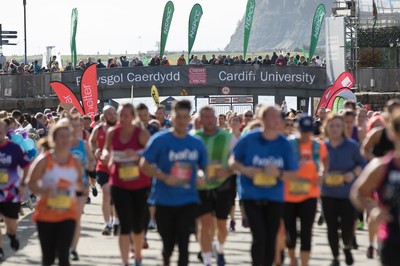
(68, 67)
(204, 60)
(124, 61)
(14, 66)
(212, 60)
(256, 61)
(52, 60)
(181, 60)
(287, 57)
(111, 63)
(89, 62)
(81, 65)
(267, 61)
(228, 61)
(155, 61)
(55, 66)
(100, 64)
(318, 61)
(274, 57)
(240, 60)
(195, 61)
(291, 62)
(36, 67)
(302, 61)
(280, 61)
(296, 59)
(313, 62)
(164, 61)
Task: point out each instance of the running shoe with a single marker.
(94, 191)
(116, 229)
(88, 200)
(2, 257)
(74, 255)
(370, 252)
(152, 225)
(360, 225)
(106, 231)
(200, 257)
(14, 243)
(232, 225)
(220, 259)
(138, 263)
(349, 257)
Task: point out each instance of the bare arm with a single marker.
(366, 184)
(35, 174)
(90, 156)
(369, 143)
(144, 137)
(93, 142)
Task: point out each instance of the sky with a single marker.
(116, 26)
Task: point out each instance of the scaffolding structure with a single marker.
(358, 14)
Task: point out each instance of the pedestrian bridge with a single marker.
(200, 81)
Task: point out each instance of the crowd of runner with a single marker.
(181, 174)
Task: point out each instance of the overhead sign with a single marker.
(302, 77)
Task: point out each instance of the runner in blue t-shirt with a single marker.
(264, 158)
(173, 157)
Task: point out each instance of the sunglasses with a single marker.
(248, 115)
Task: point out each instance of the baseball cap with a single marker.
(306, 124)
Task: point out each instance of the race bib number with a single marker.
(299, 186)
(264, 180)
(212, 169)
(183, 171)
(128, 171)
(60, 202)
(334, 180)
(3, 176)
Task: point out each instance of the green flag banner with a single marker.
(194, 21)
(248, 20)
(166, 23)
(318, 20)
(74, 24)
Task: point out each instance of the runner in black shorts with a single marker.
(12, 187)
(216, 194)
(97, 140)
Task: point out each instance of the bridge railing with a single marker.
(188, 77)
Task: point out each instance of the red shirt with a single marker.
(101, 140)
(126, 174)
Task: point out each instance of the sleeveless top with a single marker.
(80, 152)
(125, 172)
(101, 140)
(62, 205)
(384, 145)
(388, 194)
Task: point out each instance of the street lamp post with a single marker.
(397, 52)
(24, 3)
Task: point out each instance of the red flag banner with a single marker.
(345, 79)
(89, 91)
(65, 95)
